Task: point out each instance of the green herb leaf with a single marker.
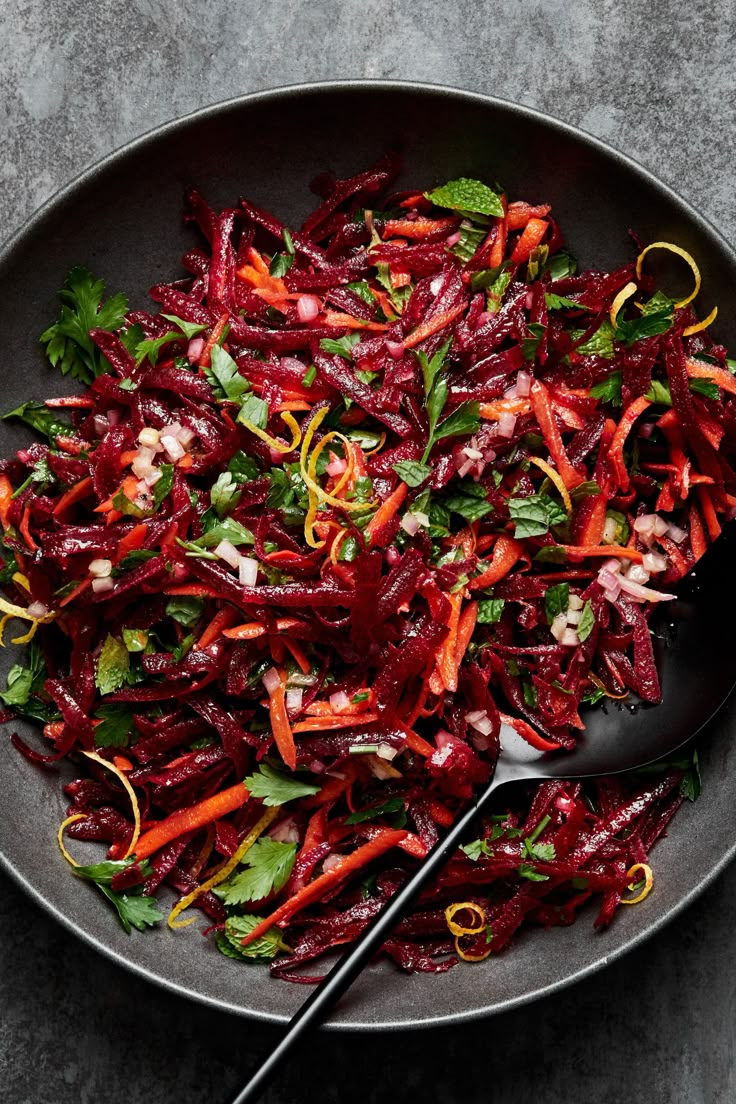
(137, 556)
(560, 302)
(224, 376)
(185, 610)
(236, 928)
(471, 237)
(150, 348)
(469, 499)
(490, 610)
(412, 472)
(274, 788)
(104, 872)
(342, 347)
(468, 195)
(189, 329)
(254, 411)
(243, 468)
(534, 515)
(135, 640)
(113, 664)
(224, 494)
(309, 376)
(531, 874)
(477, 848)
(598, 344)
(18, 690)
(656, 318)
(43, 420)
(692, 782)
(116, 726)
(362, 290)
(280, 264)
(164, 485)
(556, 600)
(587, 622)
(229, 530)
(589, 487)
(134, 909)
(432, 368)
(269, 864)
(560, 265)
(392, 805)
(465, 419)
(542, 852)
(530, 345)
(706, 388)
(68, 344)
(609, 389)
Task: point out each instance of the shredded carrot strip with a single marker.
(6, 497)
(74, 494)
(336, 721)
(433, 326)
(280, 725)
(222, 620)
(530, 238)
(506, 552)
(212, 340)
(709, 514)
(616, 453)
(299, 655)
(697, 369)
(544, 414)
(24, 528)
(446, 657)
(188, 820)
(386, 511)
(698, 542)
(618, 551)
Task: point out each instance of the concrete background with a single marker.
(654, 79)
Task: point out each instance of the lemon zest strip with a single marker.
(648, 883)
(21, 580)
(624, 294)
(11, 610)
(131, 794)
(556, 478)
(470, 957)
(458, 929)
(273, 442)
(680, 253)
(698, 326)
(60, 835)
(223, 872)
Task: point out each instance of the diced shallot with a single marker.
(307, 308)
(194, 349)
(642, 593)
(395, 349)
(654, 562)
(271, 680)
(637, 573)
(100, 586)
(559, 626)
(506, 425)
(480, 721)
(37, 609)
(675, 533)
(228, 552)
(570, 638)
(523, 384)
(99, 569)
(294, 699)
(173, 447)
(247, 571)
(385, 751)
(339, 701)
(149, 437)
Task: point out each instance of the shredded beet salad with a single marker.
(353, 497)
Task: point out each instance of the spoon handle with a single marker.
(342, 975)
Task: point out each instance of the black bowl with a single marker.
(121, 219)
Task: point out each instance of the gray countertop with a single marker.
(79, 79)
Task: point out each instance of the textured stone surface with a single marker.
(655, 80)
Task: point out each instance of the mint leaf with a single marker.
(598, 344)
(243, 468)
(587, 622)
(68, 344)
(224, 376)
(236, 928)
(534, 515)
(113, 665)
(18, 690)
(116, 726)
(465, 419)
(185, 610)
(471, 237)
(469, 195)
(164, 485)
(556, 600)
(656, 318)
(412, 472)
(269, 864)
(561, 265)
(135, 640)
(490, 610)
(432, 368)
(274, 788)
(469, 500)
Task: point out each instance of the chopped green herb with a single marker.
(534, 515)
(412, 472)
(116, 724)
(224, 494)
(556, 600)
(68, 344)
(274, 788)
(113, 664)
(608, 390)
(224, 376)
(254, 411)
(490, 610)
(467, 195)
(268, 866)
(587, 622)
(185, 610)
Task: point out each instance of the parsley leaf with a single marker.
(342, 347)
(116, 726)
(43, 420)
(229, 530)
(531, 874)
(490, 610)
(561, 265)
(534, 515)
(68, 344)
(477, 848)
(465, 419)
(164, 485)
(530, 345)
(656, 318)
(224, 494)
(269, 864)
(189, 329)
(556, 600)
(468, 195)
(587, 622)
(412, 472)
(113, 665)
(608, 390)
(254, 411)
(224, 376)
(274, 788)
(560, 302)
(133, 908)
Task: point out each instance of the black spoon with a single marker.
(697, 673)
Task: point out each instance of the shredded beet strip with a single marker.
(373, 488)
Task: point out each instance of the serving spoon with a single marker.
(697, 673)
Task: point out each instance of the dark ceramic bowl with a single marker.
(121, 219)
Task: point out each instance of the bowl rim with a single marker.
(300, 90)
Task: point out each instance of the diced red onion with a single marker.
(559, 626)
(149, 437)
(228, 552)
(308, 307)
(271, 680)
(575, 602)
(395, 349)
(294, 697)
(506, 425)
(609, 531)
(100, 586)
(654, 562)
(675, 533)
(153, 477)
(100, 569)
(613, 565)
(185, 436)
(523, 384)
(339, 701)
(511, 392)
(248, 571)
(642, 593)
(171, 430)
(114, 415)
(612, 593)
(646, 429)
(336, 466)
(453, 239)
(392, 556)
(529, 300)
(479, 720)
(574, 617)
(332, 861)
(38, 609)
(194, 349)
(607, 579)
(285, 831)
(143, 463)
(173, 447)
(472, 453)
(564, 804)
(101, 424)
(637, 573)
(410, 523)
